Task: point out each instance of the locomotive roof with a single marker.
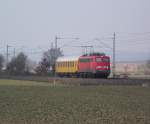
(93, 56)
(62, 59)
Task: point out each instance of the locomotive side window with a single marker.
(105, 59)
(85, 60)
(102, 59)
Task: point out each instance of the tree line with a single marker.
(22, 65)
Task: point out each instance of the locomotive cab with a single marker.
(102, 66)
(99, 66)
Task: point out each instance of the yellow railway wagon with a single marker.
(67, 65)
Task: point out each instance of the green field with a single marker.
(26, 102)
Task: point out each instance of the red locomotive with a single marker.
(95, 65)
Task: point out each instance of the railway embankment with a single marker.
(82, 81)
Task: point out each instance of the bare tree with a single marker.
(52, 54)
(17, 65)
(43, 67)
(1, 62)
(48, 61)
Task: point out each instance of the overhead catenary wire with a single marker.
(128, 39)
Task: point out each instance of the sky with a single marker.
(31, 26)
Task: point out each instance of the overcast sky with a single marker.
(31, 26)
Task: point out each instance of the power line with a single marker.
(106, 45)
(133, 33)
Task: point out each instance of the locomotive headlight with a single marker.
(101, 67)
(105, 66)
(97, 67)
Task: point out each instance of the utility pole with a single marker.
(52, 45)
(14, 52)
(56, 42)
(114, 55)
(55, 57)
(7, 54)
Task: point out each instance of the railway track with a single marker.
(83, 81)
(109, 81)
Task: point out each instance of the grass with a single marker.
(26, 102)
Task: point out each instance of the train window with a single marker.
(105, 59)
(72, 64)
(68, 64)
(102, 59)
(65, 64)
(85, 60)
